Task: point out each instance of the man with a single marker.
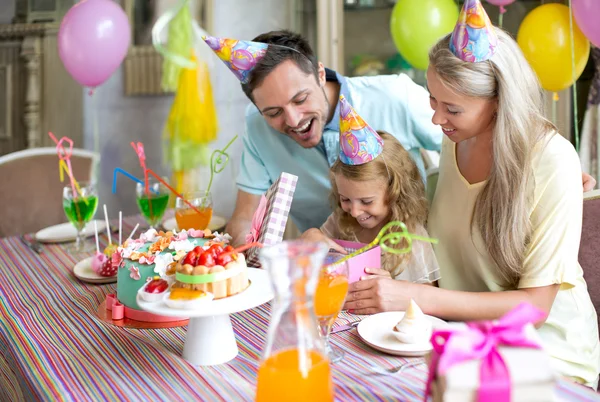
(293, 126)
(293, 122)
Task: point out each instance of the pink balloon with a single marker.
(501, 2)
(93, 40)
(586, 13)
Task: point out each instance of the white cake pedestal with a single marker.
(210, 339)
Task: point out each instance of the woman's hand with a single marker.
(379, 293)
(315, 235)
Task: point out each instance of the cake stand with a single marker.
(210, 339)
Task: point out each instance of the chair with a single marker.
(589, 249)
(31, 196)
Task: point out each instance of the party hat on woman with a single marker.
(359, 142)
(473, 38)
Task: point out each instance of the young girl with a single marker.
(508, 205)
(371, 186)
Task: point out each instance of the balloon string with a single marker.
(96, 135)
(501, 16)
(575, 114)
(555, 99)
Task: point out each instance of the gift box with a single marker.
(270, 219)
(498, 361)
(357, 264)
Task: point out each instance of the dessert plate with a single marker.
(84, 272)
(66, 232)
(216, 222)
(376, 331)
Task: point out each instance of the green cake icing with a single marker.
(127, 287)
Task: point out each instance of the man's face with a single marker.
(294, 103)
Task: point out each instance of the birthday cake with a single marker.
(185, 266)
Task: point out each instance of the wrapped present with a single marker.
(270, 219)
(498, 361)
(357, 264)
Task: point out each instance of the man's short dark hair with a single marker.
(291, 46)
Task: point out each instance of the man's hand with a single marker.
(241, 220)
(588, 182)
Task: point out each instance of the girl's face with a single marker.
(461, 117)
(364, 200)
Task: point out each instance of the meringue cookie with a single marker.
(414, 327)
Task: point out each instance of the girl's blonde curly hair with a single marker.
(405, 193)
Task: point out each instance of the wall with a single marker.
(124, 119)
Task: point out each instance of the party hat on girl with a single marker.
(239, 55)
(473, 39)
(359, 143)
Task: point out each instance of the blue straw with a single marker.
(124, 173)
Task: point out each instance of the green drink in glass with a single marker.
(152, 204)
(80, 208)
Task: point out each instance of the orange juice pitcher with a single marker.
(294, 365)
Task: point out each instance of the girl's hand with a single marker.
(374, 273)
(315, 235)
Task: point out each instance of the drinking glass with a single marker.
(80, 207)
(331, 292)
(153, 203)
(189, 218)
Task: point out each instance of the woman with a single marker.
(508, 206)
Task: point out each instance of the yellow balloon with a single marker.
(544, 38)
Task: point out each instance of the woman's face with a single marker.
(461, 117)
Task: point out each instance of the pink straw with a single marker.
(65, 156)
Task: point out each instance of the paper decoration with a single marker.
(279, 199)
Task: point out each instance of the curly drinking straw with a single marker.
(217, 164)
(139, 149)
(64, 165)
(393, 238)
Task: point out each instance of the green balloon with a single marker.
(417, 25)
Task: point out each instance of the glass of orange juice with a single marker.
(194, 218)
(330, 294)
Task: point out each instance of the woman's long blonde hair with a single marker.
(501, 212)
(405, 193)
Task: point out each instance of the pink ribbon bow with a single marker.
(257, 221)
(480, 341)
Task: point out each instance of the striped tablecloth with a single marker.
(53, 347)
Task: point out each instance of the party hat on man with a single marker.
(359, 143)
(239, 55)
(473, 38)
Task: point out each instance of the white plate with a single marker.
(257, 293)
(67, 232)
(376, 331)
(83, 271)
(216, 222)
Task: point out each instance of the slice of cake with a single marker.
(414, 327)
(216, 269)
